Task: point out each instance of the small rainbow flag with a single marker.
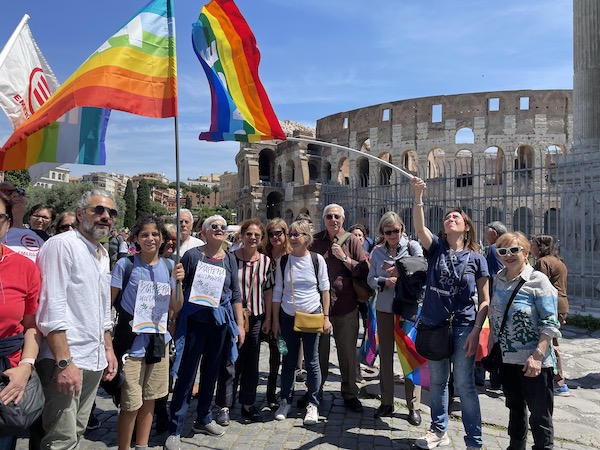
(227, 50)
(133, 71)
(370, 347)
(410, 360)
(484, 335)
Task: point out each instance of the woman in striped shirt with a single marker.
(256, 282)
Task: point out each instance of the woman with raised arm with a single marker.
(457, 287)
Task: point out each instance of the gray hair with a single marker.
(183, 210)
(85, 199)
(498, 227)
(331, 206)
(208, 221)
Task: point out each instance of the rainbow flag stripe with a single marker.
(133, 71)
(227, 50)
(410, 360)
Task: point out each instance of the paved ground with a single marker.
(575, 417)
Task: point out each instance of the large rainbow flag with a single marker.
(227, 50)
(133, 71)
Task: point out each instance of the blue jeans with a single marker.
(310, 342)
(464, 382)
(7, 442)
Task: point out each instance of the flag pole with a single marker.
(341, 147)
(177, 200)
(12, 39)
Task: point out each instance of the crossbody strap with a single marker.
(455, 299)
(510, 300)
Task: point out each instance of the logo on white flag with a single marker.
(38, 91)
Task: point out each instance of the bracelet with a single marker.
(478, 326)
(28, 361)
(539, 352)
(418, 204)
(268, 318)
(325, 315)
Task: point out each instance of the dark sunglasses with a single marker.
(66, 227)
(333, 216)
(295, 235)
(216, 226)
(511, 250)
(275, 234)
(390, 232)
(99, 210)
(10, 192)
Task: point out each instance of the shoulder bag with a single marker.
(306, 322)
(17, 418)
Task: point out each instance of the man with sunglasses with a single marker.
(74, 317)
(20, 238)
(342, 252)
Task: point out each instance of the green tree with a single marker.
(143, 206)
(183, 186)
(19, 178)
(129, 197)
(202, 190)
(158, 209)
(188, 202)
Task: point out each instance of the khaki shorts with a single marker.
(144, 381)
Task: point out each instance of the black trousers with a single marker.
(244, 372)
(535, 394)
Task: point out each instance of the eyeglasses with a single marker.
(333, 216)
(295, 235)
(4, 217)
(253, 235)
(44, 218)
(390, 232)
(216, 227)
(99, 210)
(511, 250)
(10, 192)
(275, 234)
(66, 226)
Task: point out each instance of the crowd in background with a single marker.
(221, 296)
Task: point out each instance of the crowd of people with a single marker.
(286, 285)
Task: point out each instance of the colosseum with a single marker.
(498, 155)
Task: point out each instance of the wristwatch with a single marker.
(63, 363)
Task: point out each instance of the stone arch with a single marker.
(266, 161)
(290, 171)
(289, 216)
(493, 165)
(491, 214)
(248, 213)
(326, 171)
(435, 163)
(523, 220)
(274, 205)
(410, 161)
(366, 145)
(385, 172)
(344, 171)
(362, 171)
(464, 135)
(553, 152)
(313, 172)
(464, 168)
(524, 161)
(551, 221)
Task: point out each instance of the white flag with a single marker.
(26, 80)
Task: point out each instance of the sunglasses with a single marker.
(66, 227)
(275, 234)
(333, 216)
(295, 235)
(99, 210)
(10, 192)
(390, 232)
(507, 251)
(216, 227)
(44, 218)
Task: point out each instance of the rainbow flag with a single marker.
(370, 347)
(410, 360)
(133, 71)
(226, 48)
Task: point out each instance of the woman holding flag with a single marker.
(457, 278)
(382, 277)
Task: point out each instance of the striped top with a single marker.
(255, 277)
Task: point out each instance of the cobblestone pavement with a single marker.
(575, 417)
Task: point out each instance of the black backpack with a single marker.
(412, 277)
(283, 262)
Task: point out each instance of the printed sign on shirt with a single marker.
(151, 307)
(207, 286)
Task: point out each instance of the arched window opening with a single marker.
(362, 170)
(464, 136)
(464, 168)
(435, 163)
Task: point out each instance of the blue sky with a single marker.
(318, 58)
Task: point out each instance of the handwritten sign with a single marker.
(207, 286)
(151, 307)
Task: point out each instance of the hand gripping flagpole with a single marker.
(341, 147)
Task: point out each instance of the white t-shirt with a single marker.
(191, 242)
(23, 241)
(306, 295)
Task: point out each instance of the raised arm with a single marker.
(422, 231)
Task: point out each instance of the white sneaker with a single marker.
(433, 439)
(312, 414)
(283, 410)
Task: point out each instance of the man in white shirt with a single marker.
(186, 223)
(19, 238)
(74, 316)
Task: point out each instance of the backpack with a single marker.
(412, 276)
(283, 262)
(359, 275)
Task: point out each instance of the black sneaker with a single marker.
(93, 423)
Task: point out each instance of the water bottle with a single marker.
(281, 345)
